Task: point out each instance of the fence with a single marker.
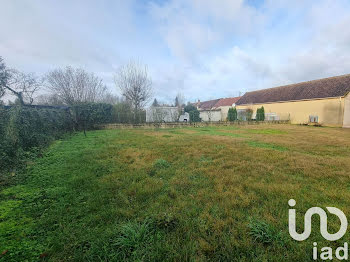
(189, 124)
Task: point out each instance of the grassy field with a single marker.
(193, 194)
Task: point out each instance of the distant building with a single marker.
(185, 117)
(160, 114)
(217, 109)
(324, 101)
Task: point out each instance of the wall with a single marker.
(224, 112)
(210, 115)
(329, 111)
(346, 122)
(162, 114)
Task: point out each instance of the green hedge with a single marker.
(25, 130)
(88, 115)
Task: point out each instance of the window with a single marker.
(271, 117)
(313, 119)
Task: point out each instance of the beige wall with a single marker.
(346, 122)
(330, 111)
(224, 112)
(210, 115)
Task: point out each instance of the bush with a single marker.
(25, 129)
(260, 114)
(249, 114)
(232, 114)
(88, 115)
(193, 112)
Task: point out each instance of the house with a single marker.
(217, 109)
(185, 117)
(225, 104)
(208, 112)
(162, 114)
(323, 101)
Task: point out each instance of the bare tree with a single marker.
(179, 102)
(134, 84)
(48, 99)
(159, 114)
(110, 98)
(75, 85)
(22, 85)
(209, 113)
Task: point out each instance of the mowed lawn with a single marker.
(191, 194)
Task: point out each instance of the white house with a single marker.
(162, 114)
(217, 109)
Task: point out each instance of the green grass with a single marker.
(191, 194)
(266, 145)
(267, 131)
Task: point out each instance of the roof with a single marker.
(336, 86)
(212, 104)
(227, 101)
(206, 105)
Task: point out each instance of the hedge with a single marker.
(25, 130)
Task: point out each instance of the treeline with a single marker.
(74, 86)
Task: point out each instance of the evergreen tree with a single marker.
(176, 101)
(260, 114)
(232, 114)
(155, 102)
(193, 112)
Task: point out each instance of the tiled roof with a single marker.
(206, 105)
(322, 88)
(227, 101)
(212, 104)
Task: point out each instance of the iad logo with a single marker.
(327, 253)
(323, 222)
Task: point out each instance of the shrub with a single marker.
(260, 114)
(193, 112)
(249, 114)
(26, 128)
(232, 114)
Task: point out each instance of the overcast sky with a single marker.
(202, 48)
